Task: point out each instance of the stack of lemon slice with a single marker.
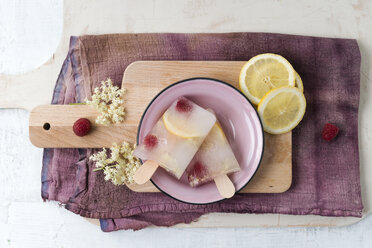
(269, 81)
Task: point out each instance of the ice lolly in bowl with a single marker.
(174, 140)
(214, 159)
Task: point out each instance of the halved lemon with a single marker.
(298, 82)
(282, 109)
(263, 73)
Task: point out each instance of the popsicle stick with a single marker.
(145, 172)
(225, 186)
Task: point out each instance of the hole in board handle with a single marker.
(46, 126)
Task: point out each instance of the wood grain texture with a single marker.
(60, 134)
(147, 78)
(273, 176)
(233, 220)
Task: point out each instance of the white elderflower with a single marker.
(108, 101)
(120, 166)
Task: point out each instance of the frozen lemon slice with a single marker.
(282, 109)
(217, 133)
(298, 82)
(263, 73)
(177, 126)
(188, 120)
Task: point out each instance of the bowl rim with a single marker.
(216, 81)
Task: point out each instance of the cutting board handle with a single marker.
(50, 126)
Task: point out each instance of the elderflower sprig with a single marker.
(108, 101)
(120, 166)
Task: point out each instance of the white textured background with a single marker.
(29, 34)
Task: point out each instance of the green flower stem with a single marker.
(78, 103)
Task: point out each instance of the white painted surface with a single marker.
(26, 27)
(25, 221)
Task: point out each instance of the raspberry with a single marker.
(150, 141)
(183, 105)
(199, 170)
(81, 127)
(197, 175)
(329, 132)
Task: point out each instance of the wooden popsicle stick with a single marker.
(225, 186)
(145, 172)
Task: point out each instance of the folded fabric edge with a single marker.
(231, 208)
(139, 222)
(207, 33)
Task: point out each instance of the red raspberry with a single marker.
(197, 175)
(183, 105)
(150, 141)
(81, 127)
(329, 132)
(199, 170)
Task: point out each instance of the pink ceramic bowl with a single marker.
(238, 119)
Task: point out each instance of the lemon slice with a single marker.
(176, 126)
(217, 132)
(263, 73)
(282, 109)
(298, 82)
(215, 137)
(186, 119)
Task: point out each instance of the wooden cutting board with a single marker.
(275, 172)
(51, 125)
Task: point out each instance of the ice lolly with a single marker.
(213, 159)
(175, 138)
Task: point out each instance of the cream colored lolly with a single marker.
(177, 136)
(213, 159)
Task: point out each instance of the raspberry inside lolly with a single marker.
(199, 170)
(197, 175)
(183, 105)
(150, 141)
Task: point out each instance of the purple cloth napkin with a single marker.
(325, 174)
